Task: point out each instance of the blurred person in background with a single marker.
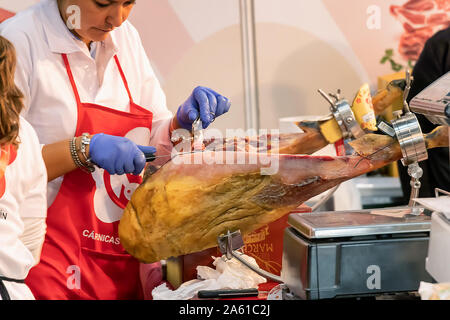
(433, 63)
(23, 186)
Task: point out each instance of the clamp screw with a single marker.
(415, 171)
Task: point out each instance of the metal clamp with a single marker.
(342, 112)
(410, 137)
(232, 241)
(408, 131)
(412, 144)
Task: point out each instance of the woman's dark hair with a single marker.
(11, 98)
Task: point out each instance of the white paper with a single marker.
(439, 204)
(229, 274)
(186, 291)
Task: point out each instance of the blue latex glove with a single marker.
(204, 101)
(118, 155)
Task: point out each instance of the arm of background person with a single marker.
(33, 206)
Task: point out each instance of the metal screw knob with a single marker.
(415, 171)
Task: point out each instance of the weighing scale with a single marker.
(354, 253)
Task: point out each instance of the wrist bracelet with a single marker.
(74, 154)
(85, 141)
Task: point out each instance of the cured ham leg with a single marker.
(190, 201)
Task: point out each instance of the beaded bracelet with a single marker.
(73, 152)
(76, 158)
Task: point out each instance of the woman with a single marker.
(23, 182)
(96, 105)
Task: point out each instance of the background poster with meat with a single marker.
(420, 19)
(302, 45)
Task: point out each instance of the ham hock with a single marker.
(194, 198)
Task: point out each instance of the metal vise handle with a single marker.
(259, 271)
(345, 118)
(412, 144)
(233, 241)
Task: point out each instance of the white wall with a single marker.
(302, 45)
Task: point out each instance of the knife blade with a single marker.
(149, 157)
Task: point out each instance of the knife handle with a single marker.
(149, 157)
(228, 293)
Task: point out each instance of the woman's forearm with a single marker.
(58, 159)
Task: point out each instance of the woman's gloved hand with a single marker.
(205, 103)
(118, 155)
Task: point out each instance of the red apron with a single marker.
(82, 257)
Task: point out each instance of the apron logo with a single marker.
(112, 194)
(114, 191)
(101, 237)
(125, 193)
(3, 215)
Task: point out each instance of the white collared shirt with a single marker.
(40, 37)
(24, 197)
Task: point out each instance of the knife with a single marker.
(149, 157)
(228, 293)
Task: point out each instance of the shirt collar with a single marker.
(59, 38)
